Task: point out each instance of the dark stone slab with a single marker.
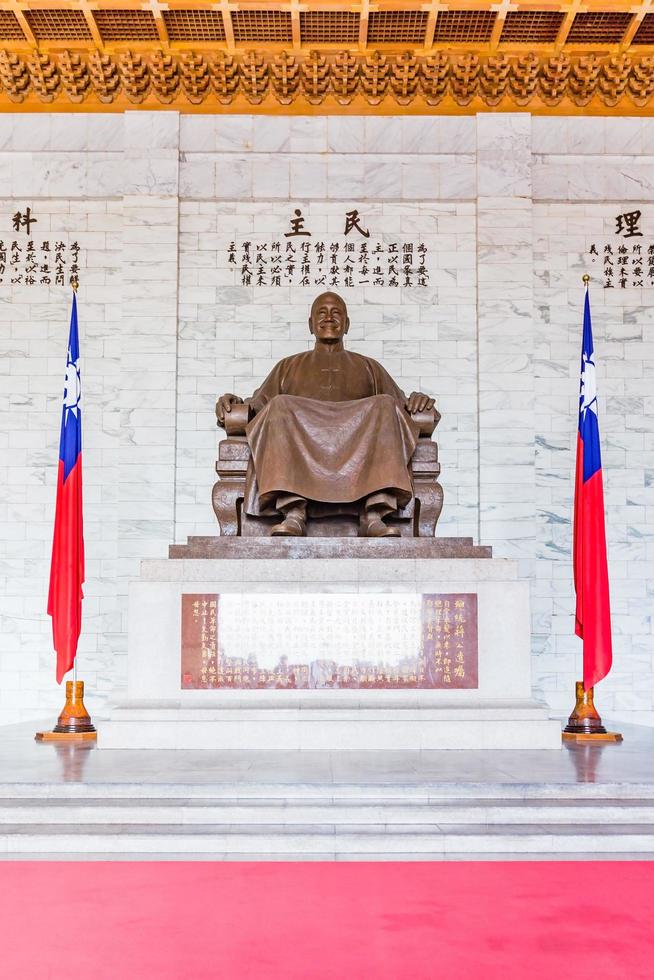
(349, 547)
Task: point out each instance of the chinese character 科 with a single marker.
(352, 221)
(23, 220)
(297, 224)
(628, 223)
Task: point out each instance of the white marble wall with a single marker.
(508, 206)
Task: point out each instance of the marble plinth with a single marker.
(291, 547)
(498, 713)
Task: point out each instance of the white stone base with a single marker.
(498, 714)
(304, 728)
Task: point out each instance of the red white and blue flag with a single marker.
(67, 566)
(593, 612)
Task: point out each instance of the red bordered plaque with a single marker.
(389, 641)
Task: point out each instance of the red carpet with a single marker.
(173, 921)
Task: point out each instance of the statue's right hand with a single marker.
(224, 405)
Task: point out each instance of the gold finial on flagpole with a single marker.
(585, 279)
(74, 282)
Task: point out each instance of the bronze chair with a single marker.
(417, 519)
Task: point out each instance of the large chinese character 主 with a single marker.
(297, 226)
(26, 220)
(352, 221)
(627, 224)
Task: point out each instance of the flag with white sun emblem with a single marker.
(593, 613)
(67, 565)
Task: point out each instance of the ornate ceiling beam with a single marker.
(439, 82)
(382, 56)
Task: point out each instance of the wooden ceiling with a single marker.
(327, 56)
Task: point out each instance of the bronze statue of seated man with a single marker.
(330, 433)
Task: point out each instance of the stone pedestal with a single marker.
(496, 713)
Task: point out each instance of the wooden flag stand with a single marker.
(74, 723)
(585, 724)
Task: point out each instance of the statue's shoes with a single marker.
(374, 527)
(290, 527)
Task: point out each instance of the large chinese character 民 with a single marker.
(352, 221)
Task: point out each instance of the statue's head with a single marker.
(328, 320)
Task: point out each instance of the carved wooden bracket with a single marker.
(612, 83)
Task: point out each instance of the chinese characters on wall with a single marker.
(28, 259)
(628, 260)
(297, 259)
(375, 642)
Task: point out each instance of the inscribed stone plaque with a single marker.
(267, 641)
(449, 640)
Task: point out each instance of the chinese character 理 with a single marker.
(628, 224)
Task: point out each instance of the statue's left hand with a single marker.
(419, 402)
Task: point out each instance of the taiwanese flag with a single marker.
(593, 613)
(67, 566)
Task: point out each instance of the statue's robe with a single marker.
(330, 427)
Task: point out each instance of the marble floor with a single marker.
(212, 805)
(22, 760)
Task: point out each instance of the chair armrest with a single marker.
(427, 420)
(237, 419)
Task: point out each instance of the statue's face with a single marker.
(329, 321)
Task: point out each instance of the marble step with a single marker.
(252, 789)
(278, 841)
(367, 815)
(330, 856)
